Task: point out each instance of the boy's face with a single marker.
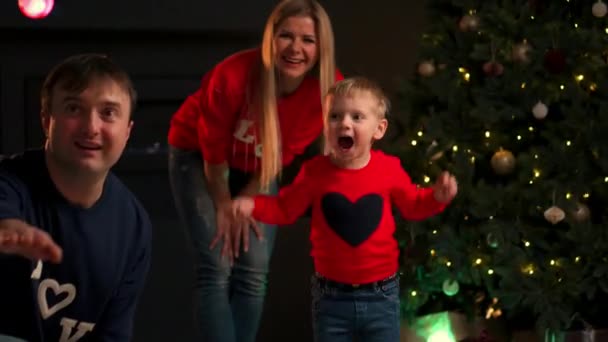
(353, 123)
(88, 131)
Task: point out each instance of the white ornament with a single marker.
(426, 69)
(554, 214)
(540, 110)
(599, 9)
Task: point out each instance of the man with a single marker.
(74, 241)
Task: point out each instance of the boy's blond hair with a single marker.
(352, 85)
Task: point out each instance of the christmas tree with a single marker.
(511, 97)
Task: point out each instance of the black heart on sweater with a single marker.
(353, 222)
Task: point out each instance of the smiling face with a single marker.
(87, 131)
(354, 121)
(295, 48)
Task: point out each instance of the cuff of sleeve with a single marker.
(258, 205)
(213, 154)
(439, 206)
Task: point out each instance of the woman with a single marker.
(254, 112)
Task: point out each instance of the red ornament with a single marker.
(537, 6)
(555, 61)
(36, 9)
(493, 68)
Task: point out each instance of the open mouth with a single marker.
(346, 143)
(88, 146)
(293, 61)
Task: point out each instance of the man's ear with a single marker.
(45, 120)
(131, 123)
(381, 129)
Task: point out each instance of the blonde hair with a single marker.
(349, 87)
(266, 95)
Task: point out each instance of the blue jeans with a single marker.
(229, 300)
(362, 315)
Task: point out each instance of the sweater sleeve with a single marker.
(218, 109)
(415, 203)
(116, 323)
(11, 201)
(291, 202)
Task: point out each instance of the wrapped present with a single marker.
(448, 326)
(587, 335)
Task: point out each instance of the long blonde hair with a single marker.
(266, 94)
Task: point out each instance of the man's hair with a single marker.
(351, 85)
(75, 73)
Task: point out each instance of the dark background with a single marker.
(166, 46)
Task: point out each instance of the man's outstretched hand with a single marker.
(20, 238)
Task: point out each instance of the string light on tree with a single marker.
(36, 9)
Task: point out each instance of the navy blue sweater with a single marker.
(92, 294)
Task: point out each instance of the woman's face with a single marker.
(296, 47)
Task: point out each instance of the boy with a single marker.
(355, 286)
(74, 241)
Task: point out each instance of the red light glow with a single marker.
(36, 9)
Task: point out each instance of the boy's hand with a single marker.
(445, 188)
(20, 238)
(242, 208)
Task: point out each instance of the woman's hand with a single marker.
(223, 230)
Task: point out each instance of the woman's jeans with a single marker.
(366, 314)
(229, 300)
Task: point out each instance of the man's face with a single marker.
(88, 131)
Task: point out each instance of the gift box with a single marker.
(589, 335)
(448, 326)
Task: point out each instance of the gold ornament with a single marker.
(437, 156)
(503, 162)
(554, 214)
(426, 69)
(521, 52)
(469, 22)
(581, 213)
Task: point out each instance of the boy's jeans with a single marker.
(367, 314)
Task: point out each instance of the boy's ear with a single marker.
(381, 129)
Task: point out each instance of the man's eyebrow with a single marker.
(70, 98)
(111, 103)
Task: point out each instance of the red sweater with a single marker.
(352, 223)
(217, 120)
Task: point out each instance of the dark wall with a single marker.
(166, 45)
